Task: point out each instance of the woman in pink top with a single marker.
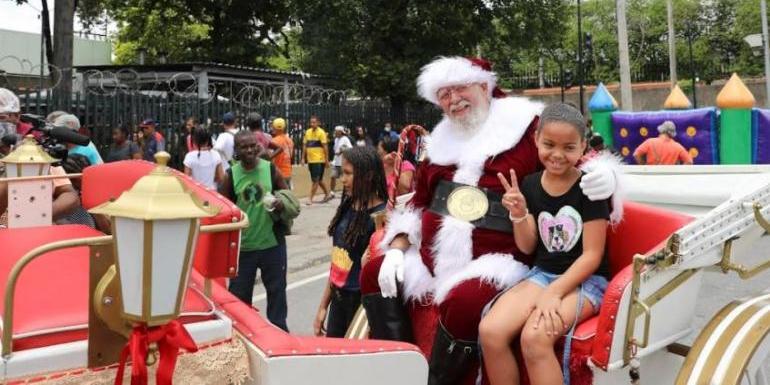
(387, 149)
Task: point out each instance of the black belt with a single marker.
(496, 217)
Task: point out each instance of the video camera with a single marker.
(53, 139)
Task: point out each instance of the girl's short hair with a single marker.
(201, 136)
(562, 112)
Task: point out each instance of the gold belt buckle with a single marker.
(467, 203)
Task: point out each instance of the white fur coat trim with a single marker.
(407, 220)
(613, 163)
(507, 122)
(418, 282)
(500, 270)
(452, 247)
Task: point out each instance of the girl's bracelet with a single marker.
(519, 219)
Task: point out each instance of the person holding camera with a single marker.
(65, 199)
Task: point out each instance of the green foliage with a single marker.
(232, 31)
(378, 46)
(717, 29)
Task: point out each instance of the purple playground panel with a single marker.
(761, 132)
(696, 130)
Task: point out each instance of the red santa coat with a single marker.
(446, 251)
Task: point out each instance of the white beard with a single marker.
(474, 120)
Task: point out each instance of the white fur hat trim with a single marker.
(451, 71)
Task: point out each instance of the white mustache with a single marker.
(459, 105)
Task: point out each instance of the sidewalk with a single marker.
(308, 246)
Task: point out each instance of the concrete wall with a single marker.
(20, 52)
(650, 96)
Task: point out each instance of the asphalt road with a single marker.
(309, 249)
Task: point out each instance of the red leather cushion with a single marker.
(643, 227)
(275, 342)
(643, 230)
(52, 291)
(216, 254)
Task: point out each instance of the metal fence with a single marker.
(100, 113)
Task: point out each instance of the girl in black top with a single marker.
(566, 231)
(363, 180)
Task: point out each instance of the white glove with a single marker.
(392, 270)
(599, 183)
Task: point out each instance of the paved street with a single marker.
(308, 265)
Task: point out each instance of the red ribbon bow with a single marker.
(170, 338)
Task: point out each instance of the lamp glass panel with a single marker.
(11, 170)
(170, 238)
(129, 237)
(30, 170)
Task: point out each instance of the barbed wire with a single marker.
(128, 81)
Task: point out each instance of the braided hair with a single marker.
(201, 138)
(368, 183)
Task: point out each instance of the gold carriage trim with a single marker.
(220, 363)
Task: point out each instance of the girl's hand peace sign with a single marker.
(513, 200)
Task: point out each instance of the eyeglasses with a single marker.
(445, 93)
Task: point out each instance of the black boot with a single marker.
(450, 359)
(387, 317)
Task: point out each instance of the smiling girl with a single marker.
(565, 230)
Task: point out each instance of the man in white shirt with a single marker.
(341, 142)
(225, 144)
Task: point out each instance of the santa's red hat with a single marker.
(452, 71)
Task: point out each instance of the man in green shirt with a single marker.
(250, 183)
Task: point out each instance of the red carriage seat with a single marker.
(51, 299)
(216, 254)
(644, 229)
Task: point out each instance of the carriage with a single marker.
(66, 292)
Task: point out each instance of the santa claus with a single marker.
(452, 245)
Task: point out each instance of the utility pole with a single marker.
(671, 43)
(625, 66)
(763, 11)
(580, 55)
(64, 15)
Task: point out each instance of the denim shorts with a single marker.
(593, 288)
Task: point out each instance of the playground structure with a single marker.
(733, 132)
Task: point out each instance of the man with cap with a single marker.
(153, 140)
(10, 125)
(269, 150)
(663, 149)
(225, 143)
(341, 142)
(89, 152)
(65, 198)
(443, 251)
(282, 158)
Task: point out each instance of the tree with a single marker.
(523, 32)
(234, 31)
(378, 46)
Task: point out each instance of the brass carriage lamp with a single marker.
(155, 227)
(28, 159)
